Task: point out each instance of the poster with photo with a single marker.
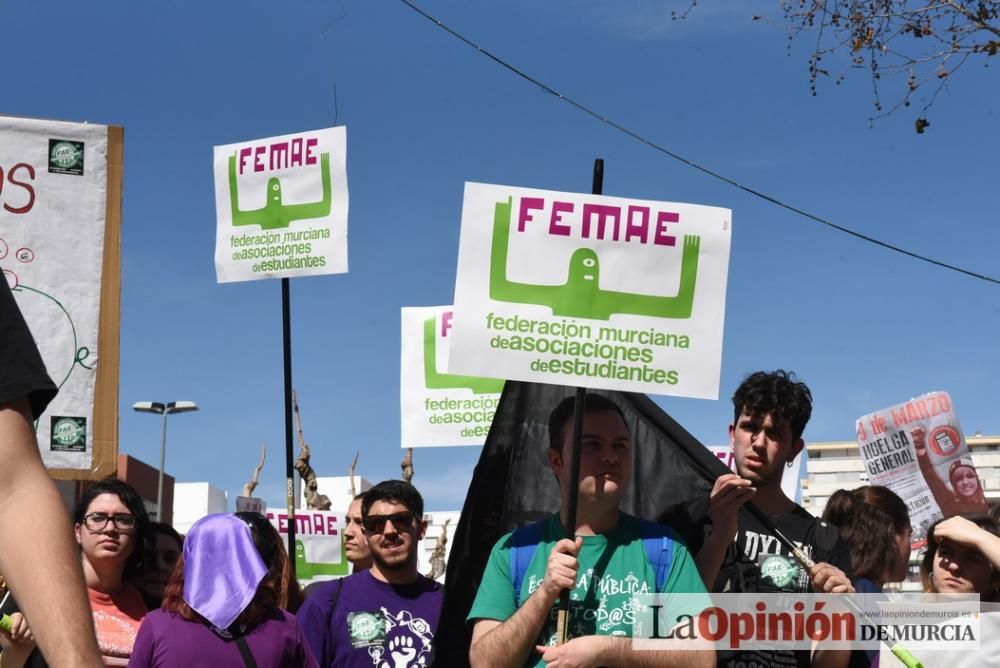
(917, 449)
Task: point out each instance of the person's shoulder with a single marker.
(162, 619)
(530, 534)
(283, 617)
(429, 586)
(322, 594)
(643, 529)
(800, 520)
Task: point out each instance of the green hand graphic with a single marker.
(274, 214)
(307, 570)
(444, 381)
(581, 296)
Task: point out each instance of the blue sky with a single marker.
(424, 113)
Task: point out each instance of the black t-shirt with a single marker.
(757, 561)
(22, 372)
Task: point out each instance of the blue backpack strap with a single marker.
(523, 543)
(658, 541)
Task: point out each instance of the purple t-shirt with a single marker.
(362, 622)
(167, 640)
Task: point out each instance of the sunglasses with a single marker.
(376, 523)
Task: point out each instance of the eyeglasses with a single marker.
(376, 523)
(97, 521)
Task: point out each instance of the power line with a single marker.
(690, 163)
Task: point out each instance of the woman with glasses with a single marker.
(113, 532)
(221, 607)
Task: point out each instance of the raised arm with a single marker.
(968, 534)
(37, 554)
(510, 642)
(728, 493)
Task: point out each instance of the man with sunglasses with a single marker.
(387, 615)
(35, 532)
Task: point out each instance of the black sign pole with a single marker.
(286, 341)
(562, 618)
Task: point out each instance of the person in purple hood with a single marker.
(221, 606)
(387, 615)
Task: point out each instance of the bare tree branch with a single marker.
(437, 556)
(252, 485)
(925, 41)
(407, 465)
(350, 473)
(314, 499)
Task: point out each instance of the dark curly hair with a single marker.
(869, 518)
(145, 540)
(778, 394)
(395, 491)
(563, 413)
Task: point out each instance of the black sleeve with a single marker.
(22, 372)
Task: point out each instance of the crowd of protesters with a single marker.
(226, 595)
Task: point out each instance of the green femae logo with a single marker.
(779, 570)
(69, 433)
(365, 629)
(65, 157)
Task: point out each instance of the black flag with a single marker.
(513, 485)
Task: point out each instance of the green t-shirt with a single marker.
(613, 567)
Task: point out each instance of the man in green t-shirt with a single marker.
(604, 565)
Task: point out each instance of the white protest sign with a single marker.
(438, 408)
(593, 291)
(319, 543)
(917, 450)
(53, 206)
(281, 206)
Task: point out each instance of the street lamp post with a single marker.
(164, 410)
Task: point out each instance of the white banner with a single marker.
(53, 194)
(319, 543)
(439, 408)
(592, 291)
(281, 206)
(917, 450)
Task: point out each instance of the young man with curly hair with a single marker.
(739, 553)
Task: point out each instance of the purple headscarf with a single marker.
(222, 568)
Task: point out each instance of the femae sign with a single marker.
(439, 408)
(281, 205)
(592, 291)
